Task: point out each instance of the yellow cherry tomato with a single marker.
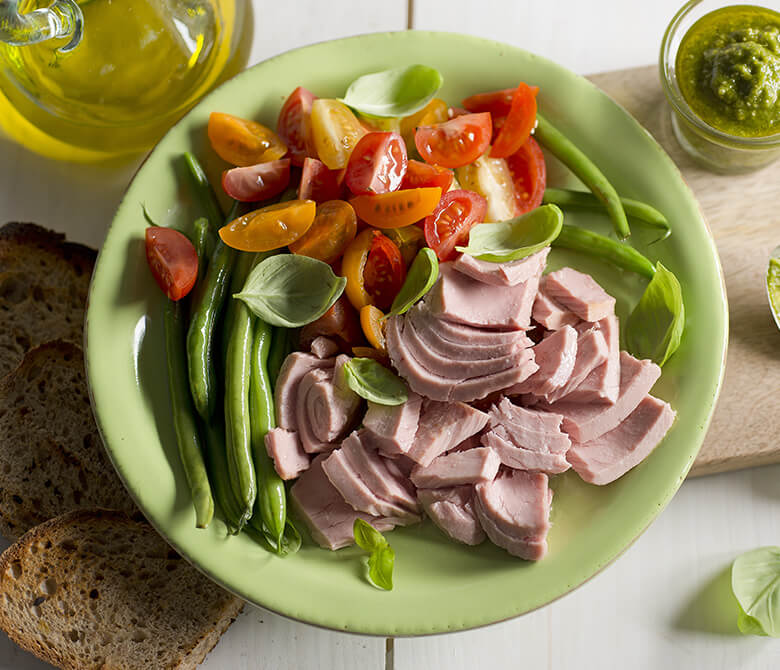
(242, 142)
(434, 112)
(334, 227)
(372, 321)
(271, 227)
(397, 208)
(353, 265)
(335, 130)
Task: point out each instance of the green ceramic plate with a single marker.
(439, 585)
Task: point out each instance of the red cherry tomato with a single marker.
(377, 164)
(498, 103)
(518, 124)
(451, 221)
(422, 175)
(173, 261)
(384, 273)
(529, 173)
(294, 125)
(456, 142)
(319, 182)
(257, 182)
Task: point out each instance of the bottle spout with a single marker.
(63, 19)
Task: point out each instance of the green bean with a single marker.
(216, 460)
(187, 436)
(566, 152)
(278, 352)
(640, 211)
(291, 539)
(271, 502)
(238, 334)
(600, 246)
(201, 242)
(205, 191)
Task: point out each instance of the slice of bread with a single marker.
(52, 460)
(43, 289)
(95, 589)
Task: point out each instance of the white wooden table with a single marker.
(664, 604)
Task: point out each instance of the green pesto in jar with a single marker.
(728, 70)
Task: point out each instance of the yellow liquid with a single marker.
(140, 66)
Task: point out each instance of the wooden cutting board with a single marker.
(743, 213)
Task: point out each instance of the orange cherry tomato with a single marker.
(456, 142)
(242, 142)
(173, 261)
(420, 175)
(294, 125)
(372, 321)
(335, 130)
(529, 173)
(519, 122)
(271, 227)
(353, 265)
(334, 227)
(385, 271)
(398, 208)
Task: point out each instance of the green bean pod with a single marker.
(636, 209)
(277, 353)
(216, 460)
(600, 246)
(590, 175)
(205, 191)
(201, 241)
(187, 435)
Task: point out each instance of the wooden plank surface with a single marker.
(743, 215)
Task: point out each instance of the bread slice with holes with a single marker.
(95, 589)
(44, 282)
(52, 460)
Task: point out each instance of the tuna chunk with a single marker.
(586, 422)
(503, 274)
(461, 299)
(605, 458)
(592, 351)
(391, 429)
(602, 385)
(460, 467)
(285, 450)
(328, 518)
(580, 293)
(452, 510)
(294, 368)
(550, 314)
(514, 511)
(555, 355)
(323, 347)
(531, 428)
(443, 426)
(519, 458)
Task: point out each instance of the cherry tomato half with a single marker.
(420, 175)
(173, 261)
(396, 209)
(257, 182)
(529, 173)
(243, 143)
(294, 125)
(450, 223)
(372, 321)
(353, 266)
(518, 124)
(319, 183)
(335, 130)
(434, 112)
(334, 227)
(456, 142)
(498, 103)
(271, 227)
(385, 272)
(377, 164)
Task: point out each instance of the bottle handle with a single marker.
(62, 19)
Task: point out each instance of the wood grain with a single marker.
(742, 212)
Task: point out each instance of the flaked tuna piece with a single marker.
(443, 426)
(285, 450)
(511, 273)
(592, 351)
(555, 355)
(531, 428)
(461, 299)
(294, 368)
(469, 443)
(518, 458)
(550, 314)
(605, 458)
(391, 429)
(324, 347)
(329, 405)
(579, 293)
(514, 512)
(602, 385)
(460, 467)
(321, 507)
(586, 422)
(452, 510)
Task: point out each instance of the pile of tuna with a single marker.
(513, 376)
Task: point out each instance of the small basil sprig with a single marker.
(290, 290)
(381, 556)
(655, 327)
(755, 580)
(374, 382)
(422, 274)
(398, 92)
(517, 238)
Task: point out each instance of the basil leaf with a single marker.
(517, 238)
(374, 382)
(398, 92)
(422, 274)
(380, 567)
(291, 290)
(655, 327)
(755, 580)
(366, 536)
